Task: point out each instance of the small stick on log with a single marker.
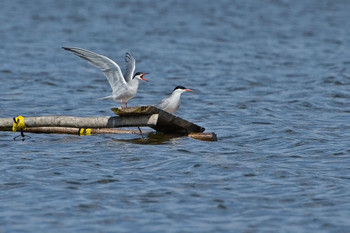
(141, 132)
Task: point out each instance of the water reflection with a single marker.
(153, 138)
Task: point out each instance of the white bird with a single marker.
(171, 103)
(124, 87)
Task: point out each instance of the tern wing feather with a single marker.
(163, 103)
(130, 67)
(106, 65)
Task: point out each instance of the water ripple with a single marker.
(274, 91)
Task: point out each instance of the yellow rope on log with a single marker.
(18, 124)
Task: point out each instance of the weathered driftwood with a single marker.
(84, 122)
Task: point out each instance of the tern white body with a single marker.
(125, 94)
(171, 103)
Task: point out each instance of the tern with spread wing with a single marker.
(171, 103)
(124, 87)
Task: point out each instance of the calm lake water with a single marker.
(271, 79)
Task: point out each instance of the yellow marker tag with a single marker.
(18, 124)
(88, 132)
(84, 132)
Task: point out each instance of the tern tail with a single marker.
(107, 98)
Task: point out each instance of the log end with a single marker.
(204, 136)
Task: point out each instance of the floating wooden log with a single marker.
(149, 116)
(84, 122)
(80, 131)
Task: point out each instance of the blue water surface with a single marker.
(271, 79)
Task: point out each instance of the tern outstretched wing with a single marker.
(106, 65)
(130, 67)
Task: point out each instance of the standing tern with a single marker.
(124, 87)
(171, 103)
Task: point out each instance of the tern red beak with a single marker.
(143, 77)
(188, 90)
